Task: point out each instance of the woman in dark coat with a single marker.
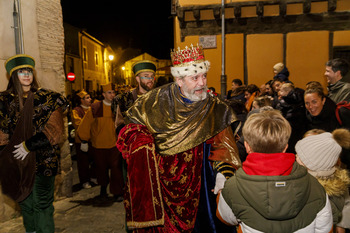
(320, 112)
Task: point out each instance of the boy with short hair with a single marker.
(271, 192)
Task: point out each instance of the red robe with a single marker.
(166, 198)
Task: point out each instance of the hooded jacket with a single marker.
(339, 91)
(290, 203)
(283, 75)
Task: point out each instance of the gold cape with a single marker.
(178, 126)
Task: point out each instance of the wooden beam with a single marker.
(335, 21)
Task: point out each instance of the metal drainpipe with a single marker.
(17, 21)
(223, 75)
(82, 60)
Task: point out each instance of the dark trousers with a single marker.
(109, 159)
(37, 209)
(85, 163)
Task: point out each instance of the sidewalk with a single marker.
(80, 213)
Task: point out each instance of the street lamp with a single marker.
(111, 58)
(123, 71)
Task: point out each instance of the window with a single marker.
(96, 58)
(84, 54)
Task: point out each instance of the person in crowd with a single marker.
(261, 101)
(238, 94)
(271, 192)
(241, 112)
(262, 89)
(162, 80)
(97, 126)
(338, 90)
(144, 72)
(234, 85)
(276, 86)
(179, 149)
(85, 164)
(281, 72)
(250, 93)
(313, 84)
(31, 128)
(212, 89)
(268, 88)
(292, 106)
(319, 153)
(320, 112)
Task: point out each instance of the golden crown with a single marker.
(188, 55)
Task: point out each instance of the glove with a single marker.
(20, 151)
(219, 182)
(84, 147)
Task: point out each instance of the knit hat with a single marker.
(319, 153)
(278, 67)
(19, 61)
(82, 94)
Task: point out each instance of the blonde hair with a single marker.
(262, 101)
(267, 132)
(313, 132)
(287, 87)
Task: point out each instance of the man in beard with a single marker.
(145, 76)
(180, 149)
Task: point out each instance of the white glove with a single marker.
(219, 182)
(21, 152)
(84, 147)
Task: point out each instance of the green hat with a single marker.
(19, 61)
(144, 66)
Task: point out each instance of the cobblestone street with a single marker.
(80, 213)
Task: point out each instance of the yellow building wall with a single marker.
(341, 38)
(306, 52)
(263, 52)
(306, 55)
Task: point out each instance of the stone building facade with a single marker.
(43, 39)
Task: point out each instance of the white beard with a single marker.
(190, 94)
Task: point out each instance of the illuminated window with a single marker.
(96, 58)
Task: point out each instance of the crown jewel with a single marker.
(188, 55)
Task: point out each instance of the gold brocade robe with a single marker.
(176, 125)
(164, 144)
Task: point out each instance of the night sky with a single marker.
(145, 25)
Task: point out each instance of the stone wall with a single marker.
(44, 40)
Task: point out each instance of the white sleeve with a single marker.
(324, 219)
(226, 212)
